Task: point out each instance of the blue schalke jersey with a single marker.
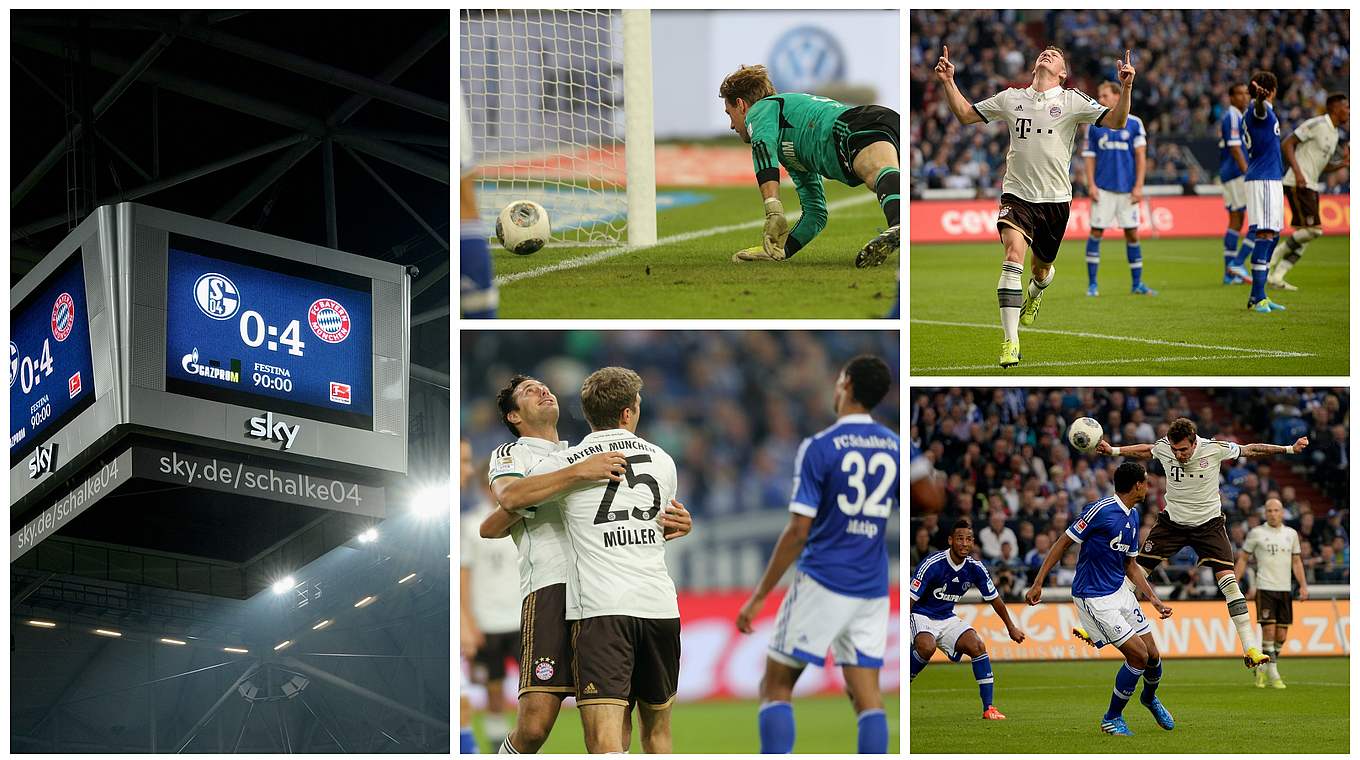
(1113, 150)
(939, 583)
(1262, 136)
(846, 481)
(1229, 134)
(1107, 533)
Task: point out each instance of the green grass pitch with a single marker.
(694, 275)
(1057, 706)
(1195, 326)
(825, 725)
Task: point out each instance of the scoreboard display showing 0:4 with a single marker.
(257, 330)
(51, 372)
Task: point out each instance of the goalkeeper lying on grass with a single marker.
(813, 137)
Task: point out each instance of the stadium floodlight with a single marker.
(174, 642)
(364, 602)
(368, 536)
(283, 645)
(108, 633)
(236, 650)
(42, 623)
(432, 501)
(560, 105)
(321, 625)
(284, 584)
(407, 578)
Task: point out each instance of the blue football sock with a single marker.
(1092, 258)
(1248, 242)
(1151, 677)
(477, 289)
(1124, 684)
(1134, 252)
(1230, 240)
(1260, 267)
(873, 733)
(776, 728)
(467, 743)
(982, 673)
(917, 664)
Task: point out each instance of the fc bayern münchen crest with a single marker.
(63, 317)
(1055, 112)
(543, 669)
(1204, 462)
(329, 320)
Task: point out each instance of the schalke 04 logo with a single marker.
(329, 320)
(217, 296)
(63, 317)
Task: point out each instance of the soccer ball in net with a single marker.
(1084, 434)
(523, 228)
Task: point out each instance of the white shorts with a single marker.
(813, 619)
(1265, 204)
(1113, 209)
(946, 632)
(1235, 193)
(1112, 619)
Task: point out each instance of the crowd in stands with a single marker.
(1185, 61)
(1007, 468)
(731, 407)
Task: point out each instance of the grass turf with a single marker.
(1057, 707)
(824, 725)
(1201, 326)
(696, 277)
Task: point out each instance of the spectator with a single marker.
(994, 535)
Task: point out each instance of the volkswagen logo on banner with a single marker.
(806, 59)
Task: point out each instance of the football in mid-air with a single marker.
(523, 228)
(1084, 434)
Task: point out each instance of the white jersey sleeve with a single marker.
(1085, 109)
(541, 536)
(994, 107)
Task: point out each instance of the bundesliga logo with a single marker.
(329, 320)
(63, 317)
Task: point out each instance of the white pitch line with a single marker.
(683, 237)
(973, 689)
(1082, 363)
(1265, 352)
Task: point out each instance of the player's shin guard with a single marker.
(1237, 604)
(776, 728)
(918, 664)
(873, 733)
(982, 673)
(1037, 286)
(1134, 253)
(1230, 240)
(888, 188)
(1124, 684)
(477, 290)
(1260, 270)
(1152, 675)
(1010, 298)
(1248, 243)
(1092, 259)
(467, 743)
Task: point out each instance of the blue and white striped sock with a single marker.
(1134, 253)
(1230, 240)
(1124, 684)
(982, 673)
(1092, 259)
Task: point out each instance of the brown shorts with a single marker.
(488, 665)
(1210, 542)
(1042, 224)
(545, 642)
(622, 659)
(1303, 207)
(1276, 607)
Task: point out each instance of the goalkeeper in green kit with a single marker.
(813, 137)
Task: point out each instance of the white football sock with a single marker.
(1036, 287)
(1237, 611)
(1009, 298)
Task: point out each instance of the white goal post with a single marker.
(560, 108)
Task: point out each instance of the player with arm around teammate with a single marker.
(814, 137)
(1103, 593)
(1036, 194)
(940, 581)
(844, 490)
(1308, 151)
(1116, 163)
(1194, 513)
(1275, 549)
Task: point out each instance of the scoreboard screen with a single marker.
(256, 330)
(51, 372)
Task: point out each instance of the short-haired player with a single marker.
(1275, 549)
(1308, 151)
(1265, 194)
(1232, 172)
(1116, 163)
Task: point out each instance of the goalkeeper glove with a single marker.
(776, 228)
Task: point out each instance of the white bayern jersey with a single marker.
(494, 563)
(1274, 550)
(1192, 496)
(616, 557)
(541, 537)
(1317, 141)
(1043, 127)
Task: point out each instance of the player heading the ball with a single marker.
(813, 137)
(1036, 194)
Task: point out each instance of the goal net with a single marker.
(560, 106)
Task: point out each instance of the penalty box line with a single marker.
(683, 237)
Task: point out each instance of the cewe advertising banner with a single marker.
(1162, 217)
(1321, 628)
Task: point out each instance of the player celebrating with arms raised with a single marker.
(1194, 513)
(1036, 194)
(813, 137)
(1108, 534)
(1309, 153)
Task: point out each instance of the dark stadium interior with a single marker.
(328, 127)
